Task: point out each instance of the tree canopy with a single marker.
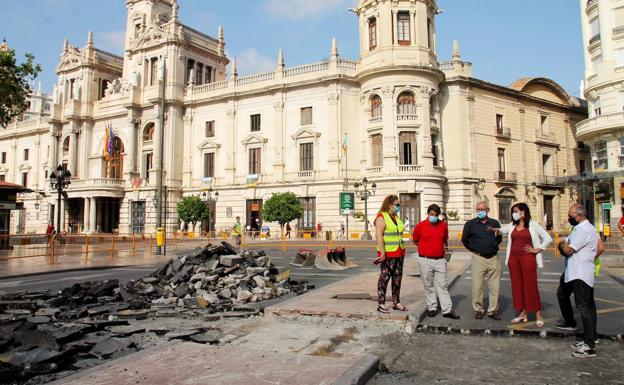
(15, 86)
(192, 209)
(282, 208)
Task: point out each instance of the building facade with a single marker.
(424, 129)
(603, 87)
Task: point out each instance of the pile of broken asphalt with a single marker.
(43, 333)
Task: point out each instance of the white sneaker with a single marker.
(584, 351)
(578, 344)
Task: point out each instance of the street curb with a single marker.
(7, 277)
(361, 372)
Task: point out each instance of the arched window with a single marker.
(375, 102)
(113, 163)
(66, 147)
(406, 104)
(148, 133)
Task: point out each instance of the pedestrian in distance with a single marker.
(580, 249)
(288, 230)
(620, 225)
(482, 239)
(49, 232)
(526, 240)
(237, 231)
(390, 252)
(430, 236)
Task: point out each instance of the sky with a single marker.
(504, 39)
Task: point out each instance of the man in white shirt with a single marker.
(582, 246)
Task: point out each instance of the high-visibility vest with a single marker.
(393, 234)
(237, 229)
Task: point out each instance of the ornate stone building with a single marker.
(603, 42)
(424, 129)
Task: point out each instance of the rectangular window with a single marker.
(434, 149)
(208, 77)
(190, 64)
(596, 107)
(308, 219)
(594, 29)
(209, 165)
(601, 161)
(210, 129)
(103, 88)
(619, 57)
(501, 160)
(582, 166)
(499, 124)
(547, 165)
(429, 33)
(306, 157)
(2, 178)
(25, 154)
(596, 61)
(377, 150)
(153, 78)
(3, 158)
(25, 179)
(200, 73)
(137, 30)
(372, 33)
(504, 209)
(403, 28)
(544, 126)
(255, 122)
(72, 87)
(306, 116)
(254, 161)
(407, 148)
(147, 165)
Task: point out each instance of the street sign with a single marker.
(347, 203)
(607, 206)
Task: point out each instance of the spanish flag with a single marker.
(106, 140)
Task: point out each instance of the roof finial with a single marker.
(280, 58)
(234, 73)
(90, 39)
(65, 45)
(334, 49)
(456, 51)
(220, 38)
(4, 47)
(174, 10)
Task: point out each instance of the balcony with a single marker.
(108, 186)
(503, 133)
(375, 120)
(305, 174)
(407, 117)
(545, 137)
(374, 170)
(618, 32)
(594, 42)
(548, 180)
(409, 168)
(591, 6)
(505, 177)
(599, 125)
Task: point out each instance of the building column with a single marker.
(53, 159)
(230, 147)
(132, 159)
(333, 138)
(413, 28)
(86, 224)
(279, 164)
(390, 145)
(425, 136)
(73, 152)
(395, 35)
(100, 212)
(92, 214)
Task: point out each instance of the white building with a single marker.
(417, 127)
(603, 41)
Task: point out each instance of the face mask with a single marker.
(433, 219)
(573, 221)
(517, 216)
(397, 209)
(481, 214)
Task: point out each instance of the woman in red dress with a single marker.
(526, 241)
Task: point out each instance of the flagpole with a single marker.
(159, 175)
(346, 157)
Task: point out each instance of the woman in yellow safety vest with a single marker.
(390, 252)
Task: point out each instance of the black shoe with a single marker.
(479, 315)
(565, 326)
(432, 313)
(495, 316)
(451, 315)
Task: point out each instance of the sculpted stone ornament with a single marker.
(118, 87)
(333, 98)
(279, 106)
(387, 91)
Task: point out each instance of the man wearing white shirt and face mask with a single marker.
(582, 247)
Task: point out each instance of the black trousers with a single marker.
(585, 304)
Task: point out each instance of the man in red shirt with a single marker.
(430, 237)
(620, 225)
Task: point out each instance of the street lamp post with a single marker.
(362, 191)
(208, 199)
(59, 182)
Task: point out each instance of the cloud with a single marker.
(250, 61)
(305, 9)
(113, 41)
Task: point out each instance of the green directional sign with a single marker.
(347, 203)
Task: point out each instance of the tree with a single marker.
(191, 210)
(15, 83)
(282, 208)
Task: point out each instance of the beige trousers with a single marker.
(489, 270)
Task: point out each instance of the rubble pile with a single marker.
(45, 333)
